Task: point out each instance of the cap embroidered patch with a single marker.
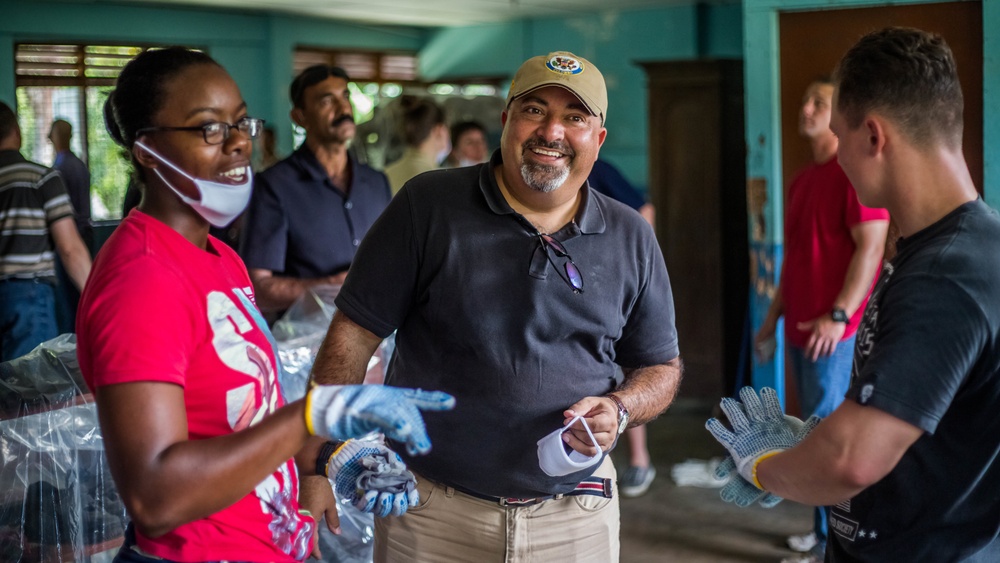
(564, 65)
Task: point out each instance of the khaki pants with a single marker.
(452, 527)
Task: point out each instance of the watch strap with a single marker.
(326, 452)
(839, 315)
(622, 411)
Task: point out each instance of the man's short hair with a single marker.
(8, 121)
(825, 79)
(310, 77)
(907, 75)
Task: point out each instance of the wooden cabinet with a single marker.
(696, 181)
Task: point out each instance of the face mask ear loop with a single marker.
(164, 161)
(589, 433)
(586, 427)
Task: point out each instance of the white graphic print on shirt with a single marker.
(244, 409)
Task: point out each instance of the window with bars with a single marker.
(362, 66)
(71, 82)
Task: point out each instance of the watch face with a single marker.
(839, 315)
(623, 423)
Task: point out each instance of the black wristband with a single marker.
(324, 457)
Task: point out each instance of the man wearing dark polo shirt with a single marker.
(515, 287)
(310, 211)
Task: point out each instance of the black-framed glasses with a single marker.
(217, 132)
(572, 275)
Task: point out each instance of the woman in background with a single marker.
(427, 139)
(182, 366)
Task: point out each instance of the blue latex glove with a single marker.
(342, 412)
(373, 478)
(760, 429)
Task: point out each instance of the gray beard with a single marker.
(543, 178)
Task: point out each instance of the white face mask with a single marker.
(553, 458)
(219, 203)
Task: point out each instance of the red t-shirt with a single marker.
(822, 208)
(158, 308)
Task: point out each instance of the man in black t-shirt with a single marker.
(910, 462)
(516, 288)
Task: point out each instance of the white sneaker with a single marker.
(803, 543)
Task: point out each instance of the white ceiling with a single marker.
(430, 13)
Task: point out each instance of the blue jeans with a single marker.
(27, 316)
(822, 385)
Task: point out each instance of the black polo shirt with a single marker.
(300, 225)
(483, 315)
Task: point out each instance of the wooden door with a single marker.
(812, 43)
(697, 177)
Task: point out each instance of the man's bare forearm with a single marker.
(343, 357)
(865, 263)
(648, 391)
(72, 251)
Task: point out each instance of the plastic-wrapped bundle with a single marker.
(57, 498)
(299, 334)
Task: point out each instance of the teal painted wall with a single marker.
(763, 126)
(614, 40)
(255, 48)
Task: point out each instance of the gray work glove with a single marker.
(760, 430)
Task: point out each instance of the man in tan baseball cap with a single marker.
(575, 286)
(553, 129)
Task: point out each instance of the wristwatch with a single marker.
(622, 413)
(839, 315)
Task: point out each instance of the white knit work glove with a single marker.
(373, 478)
(760, 430)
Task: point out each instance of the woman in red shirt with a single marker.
(184, 369)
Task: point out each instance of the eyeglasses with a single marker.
(217, 132)
(572, 277)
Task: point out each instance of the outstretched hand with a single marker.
(760, 429)
(342, 412)
(743, 493)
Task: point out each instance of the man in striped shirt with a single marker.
(36, 221)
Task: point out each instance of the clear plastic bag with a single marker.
(299, 334)
(57, 500)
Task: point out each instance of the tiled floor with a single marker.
(693, 525)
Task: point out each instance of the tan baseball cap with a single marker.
(567, 70)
